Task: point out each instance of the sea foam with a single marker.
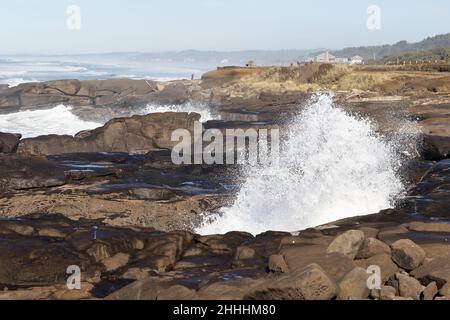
(334, 165)
(202, 109)
(33, 123)
(61, 120)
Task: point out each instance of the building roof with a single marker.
(357, 58)
(326, 56)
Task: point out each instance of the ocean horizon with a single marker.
(15, 70)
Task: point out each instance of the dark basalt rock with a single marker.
(9, 142)
(74, 92)
(118, 263)
(19, 172)
(136, 134)
(124, 208)
(435, 147)
(111, 93)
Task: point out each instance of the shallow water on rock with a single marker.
(431, 196)
(130, 172)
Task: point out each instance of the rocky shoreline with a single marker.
(110, 201)
(329, 262)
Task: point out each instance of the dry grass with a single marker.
(329, 77)
(277, 86)
(360, 80)
(282, 79)
(223, 76)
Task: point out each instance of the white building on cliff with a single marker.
(327, 57)
(356, 60)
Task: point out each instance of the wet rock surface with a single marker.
(139, 254)
(28, 172)
(111, 202)
(93, 92)
(132, 135)
(144, 263)
(9, 142)
(117, 188)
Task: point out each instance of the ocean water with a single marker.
(15, 70)
(334, 166)
(33, 123)
(202, 109)
(61, 120)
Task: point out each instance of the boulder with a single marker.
(370, 232)
(445, 290)
(162, 252)
(224, 244)
(371, 247)
(435, 249)
(430, 291)
(145, 289)
(408, 286)
(267, 243)
(277, 264)
(354, 285)
(177, 292)
(335, 264)
(137, 134)
(393, 282)
(387, 266)
(384, 293)
(438, 270)
(407, 255)
(9, 142)
(309, 283)
(387, 293)
(435, 148)
(347, 243)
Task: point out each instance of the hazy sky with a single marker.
(40, 26)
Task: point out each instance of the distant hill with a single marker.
(401, 47)
(441, 55)
(260, 57)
